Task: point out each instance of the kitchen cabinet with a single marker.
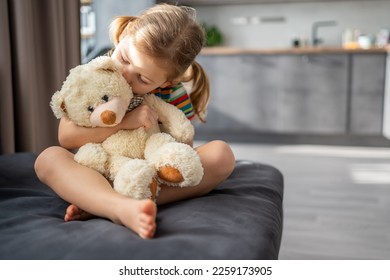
(367, 93)
(313, 96)
(310, 93)
(244, 92)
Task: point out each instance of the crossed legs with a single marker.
(92, 193)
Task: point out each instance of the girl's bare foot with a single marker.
(74, 213)
(139, 216)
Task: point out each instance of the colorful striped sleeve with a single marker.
(178, 97)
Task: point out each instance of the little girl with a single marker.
(157, 50)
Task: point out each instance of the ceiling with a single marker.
(240, 2)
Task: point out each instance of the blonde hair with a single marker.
(171, 34)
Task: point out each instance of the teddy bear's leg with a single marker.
(166, 172)
(136, 179)
(184, 159)
(155, 142)
(178, 164)
(115, 164)
(93, 156)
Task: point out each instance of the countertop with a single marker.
(305, 50)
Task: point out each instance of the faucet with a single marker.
(314, 30)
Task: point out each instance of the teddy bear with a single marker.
(137, 161)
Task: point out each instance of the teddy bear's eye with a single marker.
(91, 109)
(105, 98)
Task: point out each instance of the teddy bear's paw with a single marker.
(135, 179)
(184, 133)
(92, 156)
(170, 174)
(174, 159)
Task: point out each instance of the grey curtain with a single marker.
(39, 43)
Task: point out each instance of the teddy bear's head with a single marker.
(93, 94)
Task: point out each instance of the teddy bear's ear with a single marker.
(104, 63)
(57, 104)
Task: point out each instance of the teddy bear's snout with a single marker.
(108, 117)
(109, 113)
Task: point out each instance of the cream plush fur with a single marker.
(96, 94)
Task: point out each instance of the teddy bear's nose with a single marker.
(108, 117)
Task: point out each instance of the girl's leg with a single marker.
(90, 191)
(218, 163)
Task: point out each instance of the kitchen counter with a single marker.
(308, 50)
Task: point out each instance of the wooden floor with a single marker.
(337, 199)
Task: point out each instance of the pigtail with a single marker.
(118, 26)
(200, 94)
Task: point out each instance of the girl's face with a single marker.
(141, 71)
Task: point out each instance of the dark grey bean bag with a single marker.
(241, 219)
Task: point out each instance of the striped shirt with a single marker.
(177, 96)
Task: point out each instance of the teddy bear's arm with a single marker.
(173, 119)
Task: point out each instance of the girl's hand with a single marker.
(142, 116)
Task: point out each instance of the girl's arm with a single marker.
(72, 136)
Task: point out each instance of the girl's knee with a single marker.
(46, 159)
(222, 157)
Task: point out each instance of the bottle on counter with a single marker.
(300, 41)
(365, 41)
(382, 38)
(350, 38)
(295, 42)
